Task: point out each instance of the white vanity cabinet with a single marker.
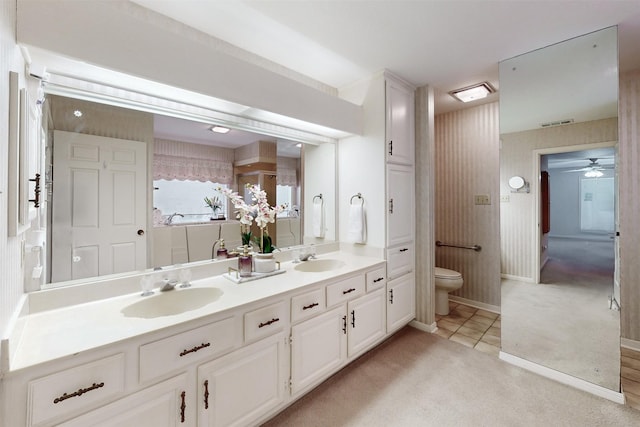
(239, 388)
(323, 344)
(400, 204)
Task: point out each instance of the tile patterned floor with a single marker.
(473, 327)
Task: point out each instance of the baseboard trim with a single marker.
(518, 278)
(475, 304)
(564, 378)
(424, 326)
(630, 344)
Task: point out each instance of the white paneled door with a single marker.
(99, 206)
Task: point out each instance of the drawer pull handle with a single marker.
(307, 307)
(378, 279)
(344, 324)
(80, 392)
(206, 394)
(404, 249)
(183, 406)
(268, 322)
(194, 349)
(348, 291)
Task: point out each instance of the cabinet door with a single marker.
(239, 388)
(318, 348)
(401, 306)
(366, 321)
(400, 202)
(164, 404)
(400, 128)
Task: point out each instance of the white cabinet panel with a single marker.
(401, 305)
(400, 123)
(366, 321)
(400, 204)
(162, 405)
(400, 260)
(240, 387)
(318, 348)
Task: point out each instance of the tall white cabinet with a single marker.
(379, 164)
(400, 192)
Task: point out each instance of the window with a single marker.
(183, 202)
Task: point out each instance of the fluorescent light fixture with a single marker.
(472, 93)
(593, 174)
(219, 129)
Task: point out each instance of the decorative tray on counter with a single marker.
(234, 276)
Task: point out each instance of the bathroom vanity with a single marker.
(217, 353)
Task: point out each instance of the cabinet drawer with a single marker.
(264, 321)
(345, 290)
(400, 260)
(307, 305)
(177, 351)
(376, 278)
(79, 388)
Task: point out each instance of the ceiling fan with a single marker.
(592, 166)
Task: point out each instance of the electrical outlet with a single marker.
(483, 199)
(504, 198)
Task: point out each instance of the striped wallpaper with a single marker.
(466, 165)
(629, 187)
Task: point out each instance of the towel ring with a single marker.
(319, 196)
(359, 196)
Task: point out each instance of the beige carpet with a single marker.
(565, 322)
(420, 379)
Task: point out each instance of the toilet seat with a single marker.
(446, 274)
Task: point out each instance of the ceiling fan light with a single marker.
(593, 174)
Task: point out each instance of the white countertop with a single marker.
(53, 334)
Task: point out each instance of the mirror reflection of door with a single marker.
(99, 212)
(267, 182)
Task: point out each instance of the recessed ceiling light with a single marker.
(472, 93)
(299, 145)
(77, 113)
(219, 129)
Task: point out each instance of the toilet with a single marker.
(446, 281)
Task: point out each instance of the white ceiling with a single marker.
(447, 44)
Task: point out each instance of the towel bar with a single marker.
(476, 248)
(359, 196)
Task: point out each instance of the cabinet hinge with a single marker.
(288, 340)
(288, 384)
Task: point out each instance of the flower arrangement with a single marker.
(215, 204)
(260, 212)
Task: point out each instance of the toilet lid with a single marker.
(445, 273)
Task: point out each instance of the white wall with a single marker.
(11, 278)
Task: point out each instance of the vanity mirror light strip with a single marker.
(186, 106)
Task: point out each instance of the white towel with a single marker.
(318, 220)
(357, 224)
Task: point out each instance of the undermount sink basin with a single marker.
(172, 302)
(319, 265)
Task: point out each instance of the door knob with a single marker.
(140, 232)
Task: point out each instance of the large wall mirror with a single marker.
(558, 126)
(129, 190)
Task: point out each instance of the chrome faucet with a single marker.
(170, 218)
(307, 253)
(168, 284)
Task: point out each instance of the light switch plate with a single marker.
(482, 199)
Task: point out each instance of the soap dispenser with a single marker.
(222, 252)
(244, 262)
